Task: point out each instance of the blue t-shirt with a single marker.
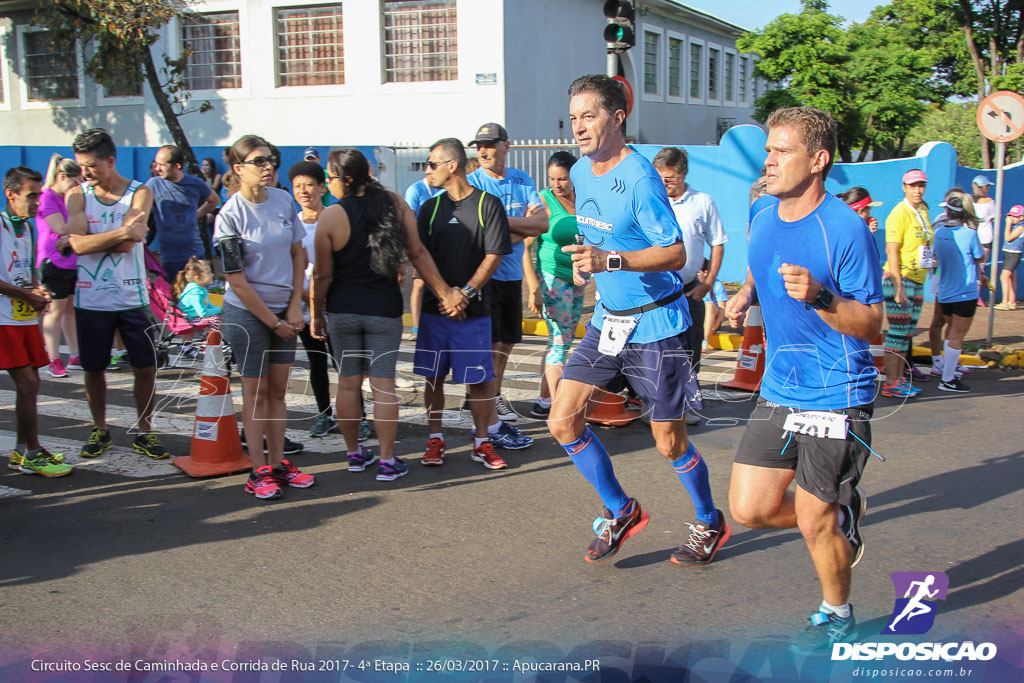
(174, 210)
(717, 294)
(810, 366)
(956, 248)
(627, 209)
(419, 192)
(516, 192)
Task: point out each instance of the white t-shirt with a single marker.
(986, 221)
(17, 259)
(267, 232)
(307, 242)
(700, 224)
(106, 281)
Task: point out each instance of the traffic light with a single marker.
(620, 33)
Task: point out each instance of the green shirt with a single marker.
(561, 232)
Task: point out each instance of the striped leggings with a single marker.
(903, 318)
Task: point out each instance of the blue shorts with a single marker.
(659, 372)
(462, 346)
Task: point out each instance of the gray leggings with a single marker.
(364, 343)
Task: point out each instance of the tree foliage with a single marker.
(119, 34)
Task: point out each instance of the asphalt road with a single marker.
(460, 567)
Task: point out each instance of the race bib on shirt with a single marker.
(817, 423)
(615, 332)
(23, 310)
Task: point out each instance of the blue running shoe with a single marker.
(900, 389)
(510, 438)
(826, 628)
(388, 472)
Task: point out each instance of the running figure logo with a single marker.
(914, 612)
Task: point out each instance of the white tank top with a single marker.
(111, 282)
(17, 267)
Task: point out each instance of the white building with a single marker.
(387, 72)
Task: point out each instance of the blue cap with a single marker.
(981, 181)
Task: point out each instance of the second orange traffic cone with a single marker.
(750, 362)
(608, 409)
(216, 446)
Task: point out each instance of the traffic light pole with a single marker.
(612, 66)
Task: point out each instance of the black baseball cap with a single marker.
(490, 132)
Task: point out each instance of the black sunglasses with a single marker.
(262, 161)
(432, 165)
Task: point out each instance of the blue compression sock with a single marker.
(693, 472)
(593, 462)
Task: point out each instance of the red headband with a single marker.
(863, 203)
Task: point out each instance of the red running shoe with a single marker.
(289, 474)
(263, 484)
(435, 453)
(486, 454)
(612, 531)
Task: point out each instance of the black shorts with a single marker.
(60, 281)
(1010, 260)
(96, 336)
(964, 309)
(826, 468)
(506, 311)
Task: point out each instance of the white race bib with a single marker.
(615, 332)
(821, 424)
(925, 256)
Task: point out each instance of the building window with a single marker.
(126, 81)
(744, 65)
(310, 47)
(713, 59)
(216, 59)
(696, 57)
(675, 67)
(51, 71)
(420, 41)
(651, 62)
(730, 73)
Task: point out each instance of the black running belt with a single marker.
(647, 307)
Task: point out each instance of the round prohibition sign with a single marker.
(1001, 116)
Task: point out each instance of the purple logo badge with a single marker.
(916, 596)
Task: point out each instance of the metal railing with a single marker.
(530, 156)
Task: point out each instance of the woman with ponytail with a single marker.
(58, 273)
(361, 245)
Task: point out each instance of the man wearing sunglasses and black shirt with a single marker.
(466, 232)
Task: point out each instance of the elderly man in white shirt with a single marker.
(700, 224)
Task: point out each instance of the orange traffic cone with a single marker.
(216, 446)
(750, 362)
(878, 351)
(608, 409)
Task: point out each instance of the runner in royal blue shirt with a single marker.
(814, 269)
(633, 248)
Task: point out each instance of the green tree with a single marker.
(120, 34)
(953, 122)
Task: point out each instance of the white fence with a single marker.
(527, 155)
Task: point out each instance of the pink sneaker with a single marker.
(291, 475)
(263, 484)
(56, 368)
(74, 362)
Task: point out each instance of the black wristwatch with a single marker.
(823, 302)
(471, 293)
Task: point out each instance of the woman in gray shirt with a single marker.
(262, 310)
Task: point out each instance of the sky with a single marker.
(754, 14)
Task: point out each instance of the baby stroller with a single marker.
(174, 348)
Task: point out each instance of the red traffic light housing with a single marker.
(620, 33)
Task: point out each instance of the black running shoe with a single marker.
(705, 540)
(955, 386)
(290, 447)
(826, 628)
(851, 525)
(612, 531)
(540, 411)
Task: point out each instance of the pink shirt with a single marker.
(50, 203)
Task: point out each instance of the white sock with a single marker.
(493, 429)
(546, 402)
(437, 435)
(390, 461)
(937, 362)
(952, 358)
(842, 611)
(480, 441)
(842, 516)
(358, 451)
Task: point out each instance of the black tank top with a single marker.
(355, 288)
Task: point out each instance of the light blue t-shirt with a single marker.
(956, 248)
(517, 192)
(175, 206)
(267, 233)
(627, 209)
(419, 192)
(717, 294)
(809, 365)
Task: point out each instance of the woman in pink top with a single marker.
(58, 273)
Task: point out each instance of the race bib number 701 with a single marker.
(820, 424)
